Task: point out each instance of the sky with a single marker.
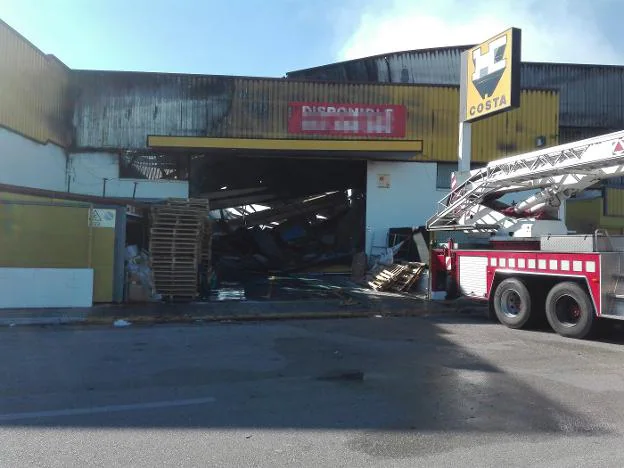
(273, 37)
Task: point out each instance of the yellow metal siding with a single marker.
(56, 235)
(103, 263)
(585, 216)
(259, 110)
(614, 202)
(44, 236)
(260, 106)
(515, 131)
(413, 146)
(121, 109)
(33, 90)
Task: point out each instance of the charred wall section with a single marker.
(118, 110)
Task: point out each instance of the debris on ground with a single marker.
(139, 279)
(200, 252)
(318, 233)
(398, 277)
(120, 323)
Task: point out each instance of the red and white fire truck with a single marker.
(520, 256)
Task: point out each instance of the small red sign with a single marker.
(380, 121)
(619, 147)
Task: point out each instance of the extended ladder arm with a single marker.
(560, 171)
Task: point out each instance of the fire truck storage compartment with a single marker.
(473, 276)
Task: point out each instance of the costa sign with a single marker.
(347, 119)
(490, 80)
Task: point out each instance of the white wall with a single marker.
(87, 172)
(26, 163)
(24, 288)
(410, 200)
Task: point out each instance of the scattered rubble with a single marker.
(195, 253)
(317, 232)
(139, 279)
(397, 277)
(121, 323)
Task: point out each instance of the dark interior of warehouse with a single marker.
(282, 214)
(271, 215)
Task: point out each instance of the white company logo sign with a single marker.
(489, 67)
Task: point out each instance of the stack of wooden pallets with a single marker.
(176, 237)
(203, 206)
(397, 277)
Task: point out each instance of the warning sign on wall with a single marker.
(383, 180)
(102, 218)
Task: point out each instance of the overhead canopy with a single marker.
(404, 149)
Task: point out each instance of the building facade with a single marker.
(383, 127)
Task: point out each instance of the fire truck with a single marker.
(519, 255)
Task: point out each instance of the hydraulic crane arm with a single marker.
(559, 171)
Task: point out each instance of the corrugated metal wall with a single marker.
(516, 131)
(119, 110)
(583, 216)
(614, 202)
(586, 215)
(44, 236)
(45, 232)
(591, 96)
(33, 90)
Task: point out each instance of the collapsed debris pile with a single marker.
(291, 236)
(397, 277)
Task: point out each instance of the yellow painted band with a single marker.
(155, 141)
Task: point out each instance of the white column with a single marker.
(465, 147)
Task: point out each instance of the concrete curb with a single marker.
(251, 317)
(106, 317)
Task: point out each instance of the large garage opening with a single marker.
(281, 215)
(285, 214)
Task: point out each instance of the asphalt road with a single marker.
(437, 391)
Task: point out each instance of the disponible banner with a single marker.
(347, 119)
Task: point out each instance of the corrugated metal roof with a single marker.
(427, 66)
(590, 95)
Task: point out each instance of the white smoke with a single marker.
(553, 31)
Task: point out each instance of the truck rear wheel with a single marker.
(512, 303)
(570, 311)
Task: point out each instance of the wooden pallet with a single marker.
(176, 234)
(397, 277)
(384, 279)
(409, 277)
(180, 242)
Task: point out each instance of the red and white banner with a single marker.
(347, 119)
